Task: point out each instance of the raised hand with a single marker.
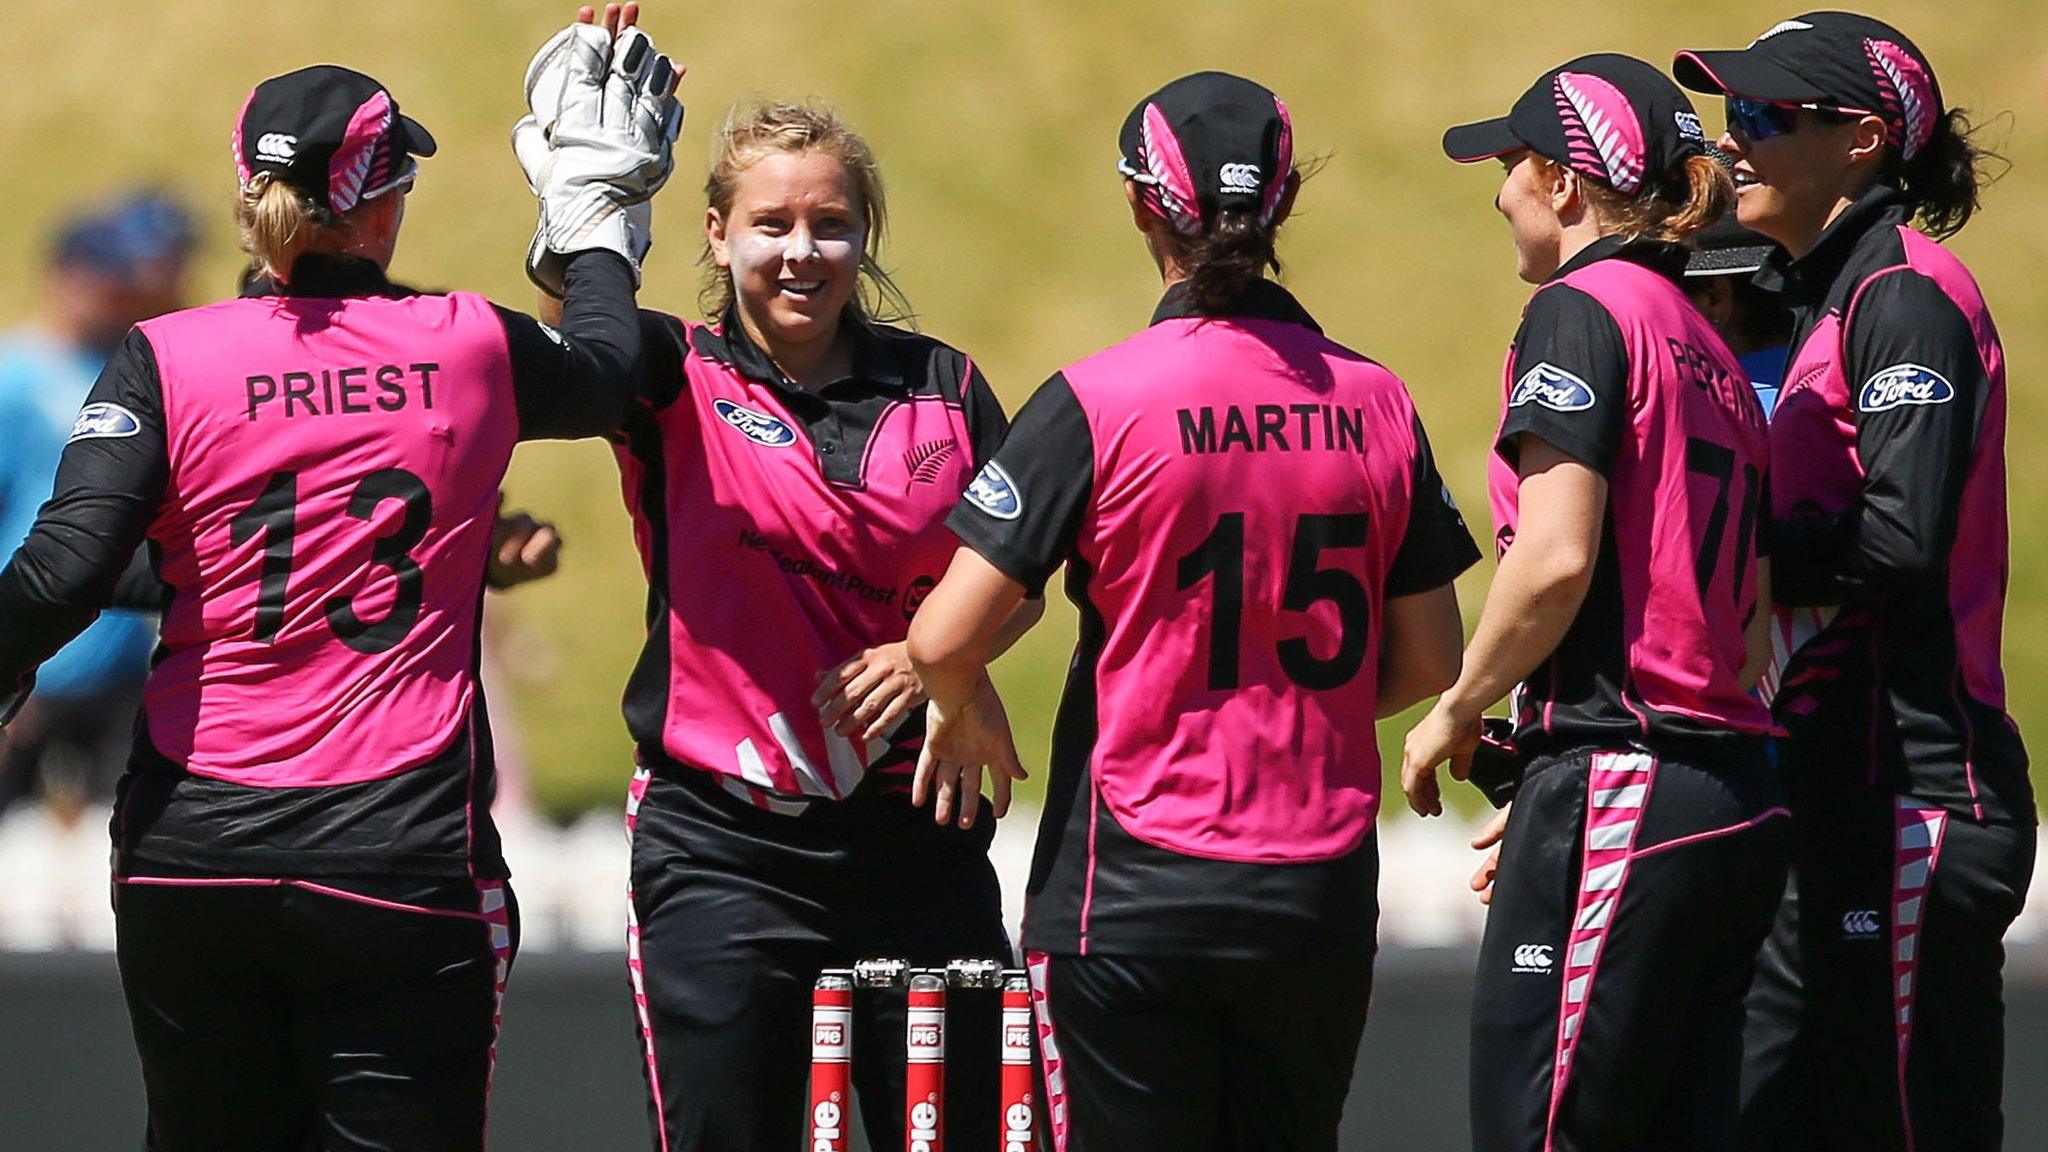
(598, 140)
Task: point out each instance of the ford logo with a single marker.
(104, 422)
(1904, 384)
(1551, 387)
(993, 492)
(759, 427)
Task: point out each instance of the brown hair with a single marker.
(752, 132)
(1233, 252)
(1946, 176)
(1669, 208)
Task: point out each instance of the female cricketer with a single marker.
(313, 920)
(1645, 848)
(1262, 552)
(789, 469)
(1877, 1021)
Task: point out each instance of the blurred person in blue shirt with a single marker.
(108, 269)
(1755, 322)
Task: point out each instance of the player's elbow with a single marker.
(1563, 568)
(931, 649)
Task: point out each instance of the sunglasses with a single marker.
(1762, 119)
(405, 179)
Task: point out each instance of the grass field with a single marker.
(995, 123)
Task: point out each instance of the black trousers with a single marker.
(1632, 896)
(338, 1016)
(1877, 1022)
(735, 911)
(1192, 1054)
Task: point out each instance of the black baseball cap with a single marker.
(1608, 117)
(333, 134)
(1833, 60)
(1726, 248)
(1206, 143)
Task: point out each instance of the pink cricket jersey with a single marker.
(1616, 368)
(785, 531)
(334, 470)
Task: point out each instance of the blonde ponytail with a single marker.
(278, 225)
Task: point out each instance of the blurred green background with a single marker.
(995, 124)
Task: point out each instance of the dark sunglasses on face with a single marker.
(1756, 120)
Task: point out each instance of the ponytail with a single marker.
(278, 225)
(1671, 210)
(1227, 259)
(1945, 177)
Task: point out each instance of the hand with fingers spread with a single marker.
(598, 141)
(958, 746)
(1482, 880)
(864, 698)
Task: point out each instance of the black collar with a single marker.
(1811, 275)
(1264, 300)
(1659, 256)
(875, 360)
(320, 275)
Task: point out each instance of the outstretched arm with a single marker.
(109, 486)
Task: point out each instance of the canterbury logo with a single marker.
(1860, 923)
(1533, 957)
(927, 462)
(1240, 178)
(277, 147)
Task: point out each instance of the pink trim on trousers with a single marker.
(1617, 793)
(1915, 851)
(636, 970)
(1037, 965)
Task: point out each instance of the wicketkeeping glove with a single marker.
(598, 144)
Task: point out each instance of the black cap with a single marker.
(1833, 59)
(1726, 248)
(1608, 117)
(1205, 143)
(329, 132)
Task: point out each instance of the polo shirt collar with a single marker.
(1263, 300)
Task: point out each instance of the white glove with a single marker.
(598, 144)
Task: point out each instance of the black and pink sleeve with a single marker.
(1918, 389)
(109, 486)
(1570, 385)
(1024, 510)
